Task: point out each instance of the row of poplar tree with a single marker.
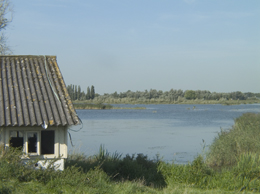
(76, 93)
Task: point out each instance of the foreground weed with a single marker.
(242, 138)
(236, 168)
(244, 176)
(129, 168)
(247, 172)
(197, 173)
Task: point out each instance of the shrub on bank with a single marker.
(242, 138)
(130, 168)
(232, 163)
(244, 175)
(196, 173)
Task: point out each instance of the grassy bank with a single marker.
(232, 165)
(106, 103)
(86, 105)
(164, 101)
(90, 105)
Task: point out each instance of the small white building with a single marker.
(35, 108)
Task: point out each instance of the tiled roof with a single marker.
(33, 92)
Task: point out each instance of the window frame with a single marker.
(25, 148)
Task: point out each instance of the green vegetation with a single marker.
(190, 95)
(89, 105)
(84, 105)
(244, 137)
(130, 168)
(6, 17)
(159, 97)
(232, 165)
(232, 162)
(76, 93)
(178, 97)
(179, 101)
(243, 175)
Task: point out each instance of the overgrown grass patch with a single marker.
(232, 163)
(118, 168)
(244, 176)
(229, 168)
(242, 138)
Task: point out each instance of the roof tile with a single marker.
(33, 92)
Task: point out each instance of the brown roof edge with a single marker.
(66, 94)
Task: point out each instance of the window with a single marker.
(16, 139)
(47, 142)
(33, 142)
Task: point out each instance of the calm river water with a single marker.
(175, 132)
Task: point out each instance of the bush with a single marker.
(197, 173)
(129, 168)
(242, 138)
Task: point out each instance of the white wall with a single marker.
(58, 164)
(60, 146)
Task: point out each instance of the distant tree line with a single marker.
(76, 93)
(176, 95)
(170, 96)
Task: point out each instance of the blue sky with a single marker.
(120, 45)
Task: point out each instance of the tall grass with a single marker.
(242, 138)
(16, 177)
(245, 175)
(120, 168)
(232, 163)
(229, 167)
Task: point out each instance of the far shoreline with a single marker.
(97, 105)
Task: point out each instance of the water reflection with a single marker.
(173, 131)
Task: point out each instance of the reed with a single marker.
(131, 168)
(242, 138)
(243, 176)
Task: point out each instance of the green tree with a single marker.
(153, 93)
(88, 94)
(115, 95)
(190, 94)
(172, 95)
(92, 92)
(147, 94)
(5, 19)
(76, 93)
(70, 91)
(79, 92)
(73, 92)
(238, 95)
